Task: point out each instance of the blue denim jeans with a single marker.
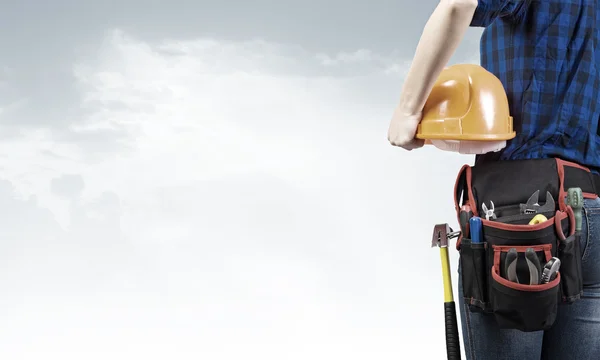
(575, 334)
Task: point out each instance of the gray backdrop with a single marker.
(212, 180)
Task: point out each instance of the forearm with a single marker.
(442, 35)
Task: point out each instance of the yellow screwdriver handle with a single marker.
(539, 218)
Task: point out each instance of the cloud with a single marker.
(232, 101)
(10, 103)
(261, 210)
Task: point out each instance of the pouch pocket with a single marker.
(569, 254)
(519, 305)
(474, 274)
(523, 219)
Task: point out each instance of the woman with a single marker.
(547, 55)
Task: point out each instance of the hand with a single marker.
(402, 130)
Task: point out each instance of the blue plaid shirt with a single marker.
(547, 55)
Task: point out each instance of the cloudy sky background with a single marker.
(212, 180)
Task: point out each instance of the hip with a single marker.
(590, 246)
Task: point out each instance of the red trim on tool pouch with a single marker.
(590, 196)
(456, 204)
(512, 227)
(561, 191)
(561, 172)
(558, 223)
(523, 248)
(523, 287)
(471, 197)
(575, 165)
(498, 249)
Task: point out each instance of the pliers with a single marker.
(489, 213)
(533, 263)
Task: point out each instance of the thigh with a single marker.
(482, 339)
(575, 332)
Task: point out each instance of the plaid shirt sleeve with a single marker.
(488, 10)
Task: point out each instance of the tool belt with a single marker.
(508, 244)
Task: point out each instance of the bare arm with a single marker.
(442, 34)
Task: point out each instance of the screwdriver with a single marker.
(575, 200)
(465, 216)
(476, 230)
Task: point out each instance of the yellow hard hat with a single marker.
(467, 111)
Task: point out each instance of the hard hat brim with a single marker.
(471, 137)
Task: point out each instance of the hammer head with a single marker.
(440, 236)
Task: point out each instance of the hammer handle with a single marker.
(452, 340)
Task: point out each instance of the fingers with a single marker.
(418, 143)
(414, 144)
(400, 140)
(402, 131)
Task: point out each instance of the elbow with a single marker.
(461, 6)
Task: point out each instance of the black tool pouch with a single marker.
(486, 288)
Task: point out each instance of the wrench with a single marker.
(533, 207)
